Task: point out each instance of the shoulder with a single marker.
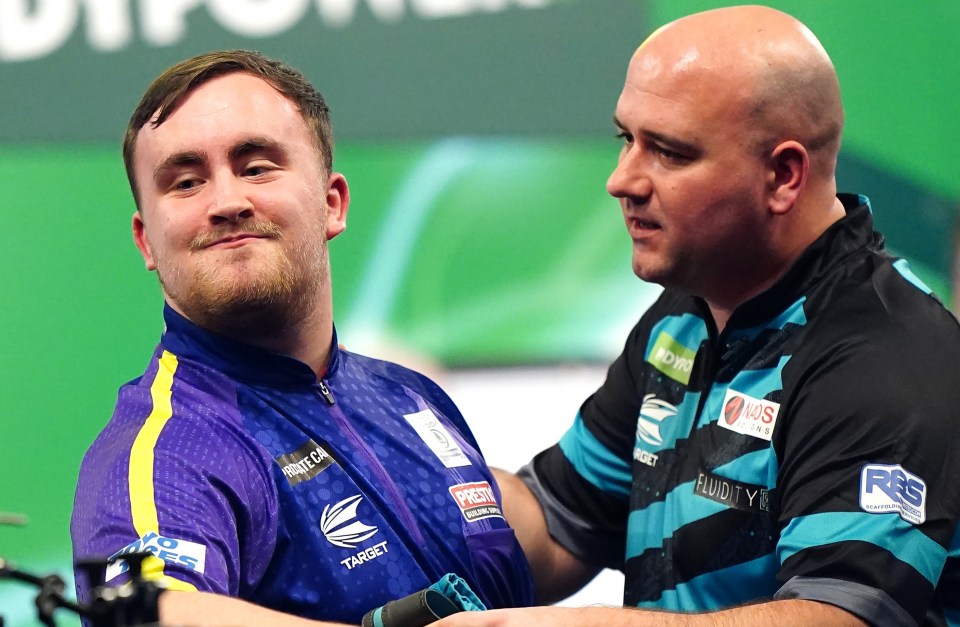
(388, 371)
(882, 320)
(877, 356)
(177, 410)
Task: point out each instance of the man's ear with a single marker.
(789, 170)
(140, 239)
(338, 201)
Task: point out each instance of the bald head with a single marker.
(759, 65)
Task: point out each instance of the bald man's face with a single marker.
(689, 181)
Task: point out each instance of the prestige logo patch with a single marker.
(476, 501)
(305, 463)
(749, 415)
(672, 358)
(889, 488)
(183, 553)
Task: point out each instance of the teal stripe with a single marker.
(688, 329)
(594, 462)
(755, 579)
(759, 383)
(952, 617)
(713, 406)
(378, 617)
(887, 531)
(647, 528)
(755, 468)
(675, 427)
(903, 267)
(794, 314)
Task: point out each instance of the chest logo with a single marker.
(653, 412)
(437, 438)
(672, 358)
(476, 501)
(305, 463)
(747, 497)
(340, 526)
(749, 415)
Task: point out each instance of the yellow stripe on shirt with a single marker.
(143, 506)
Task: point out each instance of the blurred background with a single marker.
(482, 248)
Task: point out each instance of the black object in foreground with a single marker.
(415, 610)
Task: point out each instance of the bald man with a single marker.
(778, 442)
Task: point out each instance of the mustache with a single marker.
(266, 229)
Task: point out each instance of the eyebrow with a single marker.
(255, 145)
(673, 142)
(179, 160)
(192, 158)
(669, 140)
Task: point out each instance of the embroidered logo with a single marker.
(749, 415)
(748, 497)
(890, 488)
(672, 358)
(340, 526)
(653, 412)
(476, 501)
(437, 438)
(183, 553)
(305, 463)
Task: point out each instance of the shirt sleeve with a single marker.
(868, 508)
(583, 482)
(175, 475)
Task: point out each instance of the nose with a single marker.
(230, 203)
(630, 178)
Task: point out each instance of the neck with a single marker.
(307, 340)
(805, 227)
(304, 334)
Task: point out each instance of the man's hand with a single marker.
(781, 613)
(199, 609)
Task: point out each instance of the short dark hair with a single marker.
(170, 88)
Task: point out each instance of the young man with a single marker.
(777, 444)
(266, 469)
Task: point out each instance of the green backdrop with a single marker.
(476, 143)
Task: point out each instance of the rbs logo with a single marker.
(890, 488)
(180, 552)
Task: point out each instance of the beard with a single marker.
(246, 294)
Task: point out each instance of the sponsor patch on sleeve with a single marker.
(476, 501)
(436, 436)
(189, 555)
(888, 488)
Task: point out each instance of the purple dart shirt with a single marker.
(244, 475)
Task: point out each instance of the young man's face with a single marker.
(235, 207)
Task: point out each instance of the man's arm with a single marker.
(199, 609)
(793, 613)
(557, 573)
